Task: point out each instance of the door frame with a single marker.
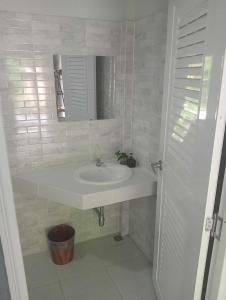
(9, 231)
(216, 153)
(165, 108)
(216, 288)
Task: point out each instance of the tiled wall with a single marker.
(105, 87)
(127, 46)
(35, 215)
(34, 136)
(149, 54)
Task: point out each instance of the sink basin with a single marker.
(109, 173)
(81, 188)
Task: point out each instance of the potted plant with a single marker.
(121, 157)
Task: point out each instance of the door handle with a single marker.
(157, 165)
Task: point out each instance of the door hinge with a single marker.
(214, 225)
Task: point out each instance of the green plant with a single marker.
(121, 156)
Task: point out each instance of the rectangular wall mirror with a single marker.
(85, 87)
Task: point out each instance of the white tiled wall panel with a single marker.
(34, 136)
(36, 215)
(149, 53)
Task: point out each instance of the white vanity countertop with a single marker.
(58, 184)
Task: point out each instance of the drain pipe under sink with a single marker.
(100, 214)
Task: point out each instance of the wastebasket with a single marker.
(61, 243)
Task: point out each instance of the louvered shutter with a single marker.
(79, 81)
(185, 192)
(184, 113)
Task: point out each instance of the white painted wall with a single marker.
(135, 9)
(94, 9)
(115, 10)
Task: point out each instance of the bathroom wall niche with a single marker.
(85, 87)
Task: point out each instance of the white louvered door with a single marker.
(191, 139)
(79, 80)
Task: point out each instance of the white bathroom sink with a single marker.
(108, 173)
(86, 187)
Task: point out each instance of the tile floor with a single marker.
(103, 269)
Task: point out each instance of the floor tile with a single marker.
(92, 286)
(80, 266)
(110, 251)
(102, 269)
(133, 279)
(40, 270)
(49, 292)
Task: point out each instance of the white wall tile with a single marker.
(149, 53)
(34, 136)
(36, 139)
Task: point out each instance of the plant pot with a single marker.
(123, 161)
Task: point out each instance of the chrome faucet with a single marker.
(99, 162)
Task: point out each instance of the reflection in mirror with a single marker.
(85, 87)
